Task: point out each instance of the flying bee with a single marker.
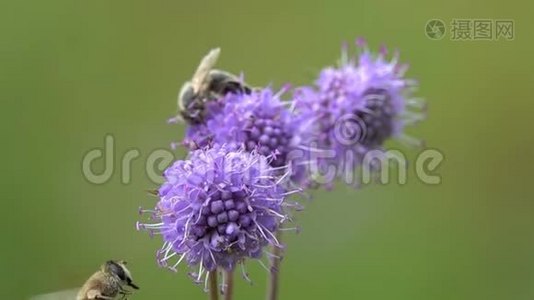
(108, 282)
(207, 84)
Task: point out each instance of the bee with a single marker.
(108, 282)
(207, 84)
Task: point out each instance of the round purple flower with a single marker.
(259, 121)
(217, 208)
(355, 107)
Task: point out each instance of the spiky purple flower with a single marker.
(217, 208)
(355, 107)
(259, 121)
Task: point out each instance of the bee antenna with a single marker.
(130, 283)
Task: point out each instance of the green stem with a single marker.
(229, 281)
(272, 290)
(213, 288)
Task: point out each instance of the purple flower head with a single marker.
(358, 105)
(217, 208)
(259, 121)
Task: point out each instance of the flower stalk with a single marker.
(272, 285)
(213, 290)
(229, 281)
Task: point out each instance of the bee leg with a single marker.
(124, 293)
(97, 295)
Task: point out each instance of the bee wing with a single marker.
(206, 64)
(61, 295)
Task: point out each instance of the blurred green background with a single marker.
(73, 71)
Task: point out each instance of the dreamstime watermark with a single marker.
(323, 165)
(155, 163)
(374, 166)
(467, 29)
